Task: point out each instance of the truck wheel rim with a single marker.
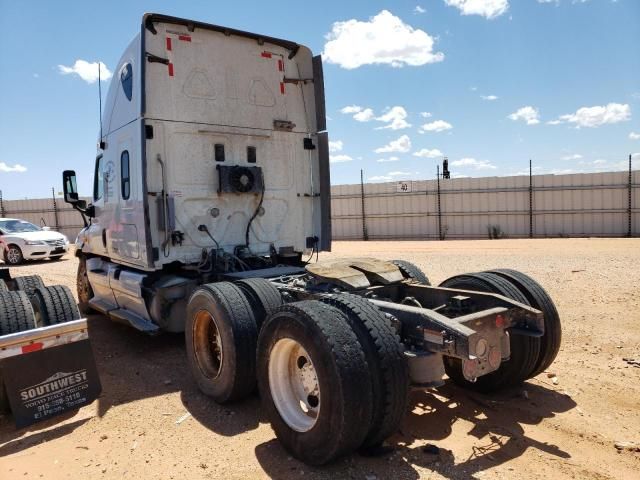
(294, 386)
(207, 344)
(13, 256)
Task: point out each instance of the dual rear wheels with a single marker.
(331, 373)
(530, 356)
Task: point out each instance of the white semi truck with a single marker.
(211, 196)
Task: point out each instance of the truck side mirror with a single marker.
(69, 187)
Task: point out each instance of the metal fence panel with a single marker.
(593, 204)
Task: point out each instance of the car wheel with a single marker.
(13, 255)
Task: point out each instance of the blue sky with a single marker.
(419, 77)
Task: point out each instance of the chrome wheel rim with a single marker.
(294, 386)
(13, 255)
(207, 344)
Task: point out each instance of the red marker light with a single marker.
(32, 347)
(499, 321)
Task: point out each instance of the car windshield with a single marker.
(17, 226)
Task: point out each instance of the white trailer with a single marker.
(210, 198)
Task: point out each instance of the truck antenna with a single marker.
(101, 143)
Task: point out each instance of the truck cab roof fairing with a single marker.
(149, 19)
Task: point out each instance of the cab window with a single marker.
(98, 179)
(125, 179)
(126, 79)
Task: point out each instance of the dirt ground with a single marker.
(558, 429)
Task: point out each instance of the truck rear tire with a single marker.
(221, 337)
(28, 283)
(263, 297)
(3, 286)
(540, 299)
(524, 350)
(16, 314)
(384, 354)
(85, 292)
(314, 381)
(411, 272)
(54, 304)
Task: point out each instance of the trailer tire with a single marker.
(384, 355)
(16, 313)
(263, 297)
(524, 350)
(411, 272)
(221, 337)
(540, 299)
(84, 290)
(54, 304)
(309, 346)
(28, 283)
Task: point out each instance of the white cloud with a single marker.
(339, 158)
(486, 8)
(597, 115)
(87, 71)
(384, 39)
(335, 146)
(364, 116)
(395, 119)
(419, 9)
(361, 114)
(351, 109)
(634, 136)
(436, 126)
(402, 145)
(426, 153)
(527, 114)
(489, 97)
(473, 163)
(575, 156)
(12, 168)
(425, 114)
(390, 159)
(554, 122)
(380, 178)
(399, 173)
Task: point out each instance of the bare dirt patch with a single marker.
(565, 428)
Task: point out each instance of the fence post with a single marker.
(1, 205)
(530, 200)
(629, 201)
(439, 208)
(55, 209)
(365, 235)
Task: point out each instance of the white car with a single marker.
(21, 240)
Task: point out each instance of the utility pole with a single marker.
(365, 234)
(439, 205)
(55, 209)
(530, 200)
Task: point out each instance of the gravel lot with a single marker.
(565, 428)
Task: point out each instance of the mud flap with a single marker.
(43, 380)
